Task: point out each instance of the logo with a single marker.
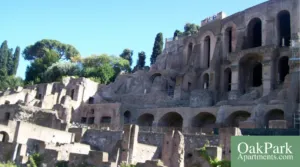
(264, 151)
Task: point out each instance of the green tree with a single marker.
(127, 54)
(157, 48)
(35, 71)
(64, 51)
(10, 82)
(10, 62)
(141, 61)
(58, 70)
(16, 60)
(103, 68)
(4, 52)
(191, 29)
(177, 33)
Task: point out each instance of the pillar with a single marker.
(234, 93)
(266, 77)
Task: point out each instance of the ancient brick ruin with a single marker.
(238, 76)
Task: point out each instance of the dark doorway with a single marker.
(91, 100)
(7, 116)
(72, 94)
(91, 120)
(145, 120)
(127, 117)
(207, 50)
(227, 79)
(171, 119)
(205, 81)
(235, 118)
(257, 75)
(283, 68)
(255, 33)
(106, 120)
(275, 114)
(190, 51)
(229, 39)
(284, 28)
(83, 120)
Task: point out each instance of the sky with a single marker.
(97, 26)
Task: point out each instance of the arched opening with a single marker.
(205, 81)
(283, 68)
(257, 75)
(127, 117)
(275, 114)
(190, 51)
(204, 120)
(250, 72)
(171, 119)
(154, 76)
(284, 28)
(228, 39)
(235, 118)
(254, 33)
(72, 94)
(145, 120)
(4, 137)
(91, 100)
(227, 79)
(207, 50)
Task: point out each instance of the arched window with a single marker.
(254, 33)
(207, 43)
(284, 28)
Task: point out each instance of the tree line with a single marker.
(51, 60)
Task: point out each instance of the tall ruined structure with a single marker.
(239, 75)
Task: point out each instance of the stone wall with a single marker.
(155, 139)
(101, 140)
(143, 152)
(6, 151)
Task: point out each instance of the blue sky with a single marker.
(97, 26)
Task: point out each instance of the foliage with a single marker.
(9, 61)
(8, 164)
(177, 33)
(35, 160)
(103, 68)
(127, 165)
(39, 49)
(127, 54)
(213, 162)
(58, 70)
(189, 29)
(10, 82)
(157, 48)
(140, 64)
(35, 71)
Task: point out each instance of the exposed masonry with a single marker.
(236, 73)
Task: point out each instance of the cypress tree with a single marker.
(4, 51)
(10, 62)
(157, 48)
(16, 60)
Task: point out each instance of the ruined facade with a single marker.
(237, 71)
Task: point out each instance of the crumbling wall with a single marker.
(101, 140)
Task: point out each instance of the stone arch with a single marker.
(274, 114)
(207, 51)
(227, 79)
(204, 120)
(205, 81)
(4, 137)
(236, 117)
(91, 100)
(189, 52)
(145, 120)
(250, 72)
(127, 117)
(254, 33)
(152, 78)
(171, 119)
(229, 37)
(283, 68)
(284, 28)
(205, 57)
